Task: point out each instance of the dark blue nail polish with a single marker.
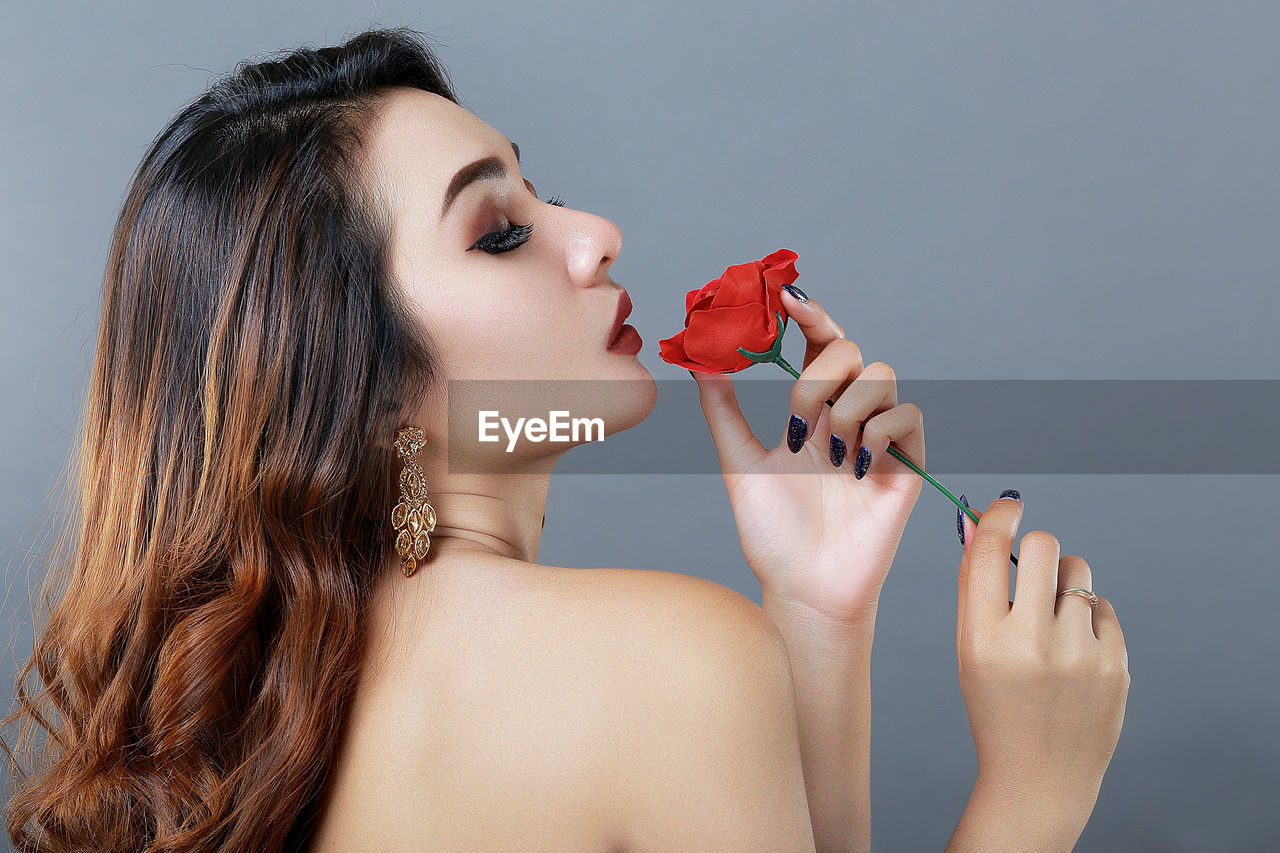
(837, 450)
(863, 462)
(1011, 494)
(960, 519)
(797, 432)
(796, 292)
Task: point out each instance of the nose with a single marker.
(595, 246)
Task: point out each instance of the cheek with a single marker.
(499, 338)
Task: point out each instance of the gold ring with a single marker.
(1093, 599)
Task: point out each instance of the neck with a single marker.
(494, 512)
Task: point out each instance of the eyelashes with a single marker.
(504, 240)
(511, 237)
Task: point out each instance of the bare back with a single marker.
(501, 716)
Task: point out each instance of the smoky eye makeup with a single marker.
(512, 236)
(497, 233)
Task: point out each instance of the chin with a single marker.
(621, 395)
(630, 400)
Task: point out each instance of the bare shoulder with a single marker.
(666, 628)
(706, 754)
(673, 608)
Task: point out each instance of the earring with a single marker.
(413, 517)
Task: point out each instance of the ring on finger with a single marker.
(1087, 593)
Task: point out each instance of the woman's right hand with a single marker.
(1045, 679)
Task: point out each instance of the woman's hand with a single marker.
(1045, 678)
(813, 533)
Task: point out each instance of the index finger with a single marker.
(816, 324)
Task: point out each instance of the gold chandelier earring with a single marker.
(413, 517)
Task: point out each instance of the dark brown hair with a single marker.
(202, 616)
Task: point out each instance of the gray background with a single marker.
(976, 191)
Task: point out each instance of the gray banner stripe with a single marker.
(1014, 426)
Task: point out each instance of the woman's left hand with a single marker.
(812, 533)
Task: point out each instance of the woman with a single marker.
(303, 611)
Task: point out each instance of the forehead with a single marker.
(418, 139)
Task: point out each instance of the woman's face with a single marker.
(542, 310)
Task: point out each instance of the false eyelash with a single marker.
(504, 241)
(512, 237)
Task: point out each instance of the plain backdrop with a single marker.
(976, 190)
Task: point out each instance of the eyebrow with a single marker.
(487, 168)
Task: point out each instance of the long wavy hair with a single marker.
(202, 627)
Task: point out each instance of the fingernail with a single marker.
(1011, 494)
(796, 292)
(797, 431)
(863, 462)
(960, 519)
(837, 450)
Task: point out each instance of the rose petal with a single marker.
(714, 336)
(706, 291)
(741, 285)
(671, 350)
(704, 303)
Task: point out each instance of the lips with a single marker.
(624, 309)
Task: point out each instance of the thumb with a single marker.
(966, 529)
(736, 444)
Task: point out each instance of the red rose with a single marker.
(738, 309)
